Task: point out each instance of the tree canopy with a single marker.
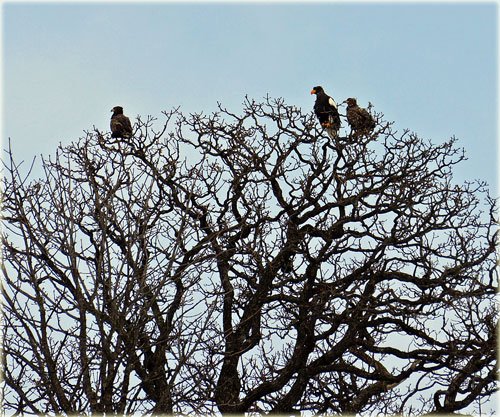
(238, 263)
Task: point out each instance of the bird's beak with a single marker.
(112, 110)
(313, 91)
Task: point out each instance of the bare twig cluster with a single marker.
(247, 263)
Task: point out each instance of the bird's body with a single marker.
(358, 118)
(120, 124)
(326, 111)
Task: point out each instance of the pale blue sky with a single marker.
(430, 67)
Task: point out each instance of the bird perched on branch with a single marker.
(120, 124)
(358, 118)
(326, 111)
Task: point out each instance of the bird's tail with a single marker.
(332, 133)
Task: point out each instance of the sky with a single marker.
(429, 67)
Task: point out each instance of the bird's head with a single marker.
(117, 110)
(351, 102)
(317, 89)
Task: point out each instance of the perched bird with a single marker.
(120, 124)
(358, 118)
(326, 111)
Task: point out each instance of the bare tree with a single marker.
(248, 263)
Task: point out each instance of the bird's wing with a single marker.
(115, 124)
(127, 123)
(122, 122)
(365, 114)
(369, 118)
(331, 102)
(354, 117)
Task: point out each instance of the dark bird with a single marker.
(150, 362)
(120, 124)
(358, 118)
(326, 111)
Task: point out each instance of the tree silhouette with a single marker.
(248, 263)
